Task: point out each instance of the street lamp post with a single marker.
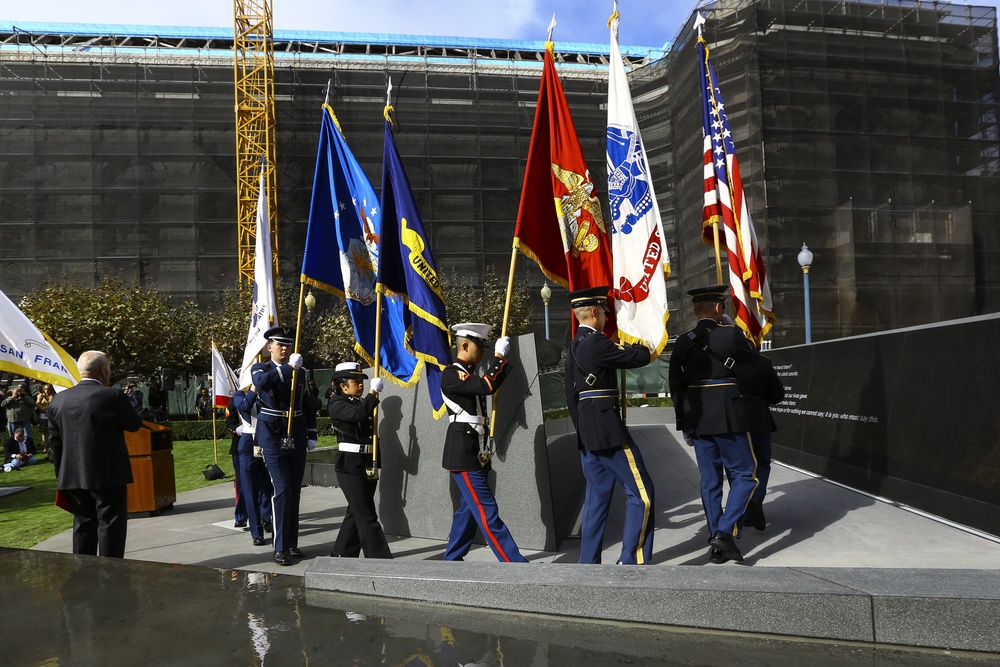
(805, 261)
(546, 294)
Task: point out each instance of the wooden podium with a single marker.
(150, 451)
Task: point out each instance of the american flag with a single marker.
(725, 204)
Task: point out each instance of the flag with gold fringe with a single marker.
(342, 251)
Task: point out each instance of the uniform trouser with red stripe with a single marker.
(478, 509)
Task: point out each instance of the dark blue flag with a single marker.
(408, 271)
(342, 251)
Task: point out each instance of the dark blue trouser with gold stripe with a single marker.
(602, 468)
(478, 509)
(732, 453)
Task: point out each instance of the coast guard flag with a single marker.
(342, 251)
(24, 350)
(559, 221)
(223, 379)
(725, 204)
(264, 310)
(408, 270)
(638, 249)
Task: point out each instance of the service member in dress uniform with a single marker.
(353, 421)
(466, 453)
(285, 458)
(709, 413)
(607, 451)
(760, 388)
(255, 482)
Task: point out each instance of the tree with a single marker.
(465, 302)
(136, 325)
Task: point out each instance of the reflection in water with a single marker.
(81, 610)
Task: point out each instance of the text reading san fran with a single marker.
(39, 358)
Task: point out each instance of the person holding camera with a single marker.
(20, 407)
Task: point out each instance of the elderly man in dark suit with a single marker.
(86, 433)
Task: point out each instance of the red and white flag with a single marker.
(725, 205)
(223, 380)
(638, 247)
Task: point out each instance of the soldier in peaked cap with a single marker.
(464, 392)
(707, 406)
(352, 417)
(285, 459)
(607, 451)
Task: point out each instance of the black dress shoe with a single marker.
(715, 557)
(240, 524)
(259, 541)
(268, 528)
(295, 552)
(726, 546)
(754, 516)
(281, 558)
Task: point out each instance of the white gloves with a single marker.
(295, 360)
(502, 346)
(310, 445)
(377, 384)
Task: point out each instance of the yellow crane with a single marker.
(253, 48)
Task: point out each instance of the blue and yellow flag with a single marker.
(408, 270)
(342, 251)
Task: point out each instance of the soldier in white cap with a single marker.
(466, 453)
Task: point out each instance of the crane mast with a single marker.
(253, 47)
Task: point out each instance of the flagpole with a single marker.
(503, 332)
(698, 23)
(295, 373)
(215, 437)
(372, 473)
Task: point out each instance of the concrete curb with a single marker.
(957, 609)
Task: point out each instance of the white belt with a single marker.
(466, 418)
(354, 448)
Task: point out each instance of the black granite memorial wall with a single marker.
(910, 415)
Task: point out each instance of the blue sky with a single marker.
(644, 22)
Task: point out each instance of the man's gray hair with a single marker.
(92, 362)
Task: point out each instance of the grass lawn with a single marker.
(31, 516)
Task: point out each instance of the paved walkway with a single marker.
(812, 523)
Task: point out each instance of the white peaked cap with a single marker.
(473, 330)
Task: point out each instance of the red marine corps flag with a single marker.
(725, 203)
(559, 222)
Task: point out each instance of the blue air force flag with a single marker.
(342, 251)
(638, 249)
(408, 271)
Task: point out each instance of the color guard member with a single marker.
(607, 451)
(255, 482)
(706, 403)
(284, 457)
(352, 418)
(466, 453)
